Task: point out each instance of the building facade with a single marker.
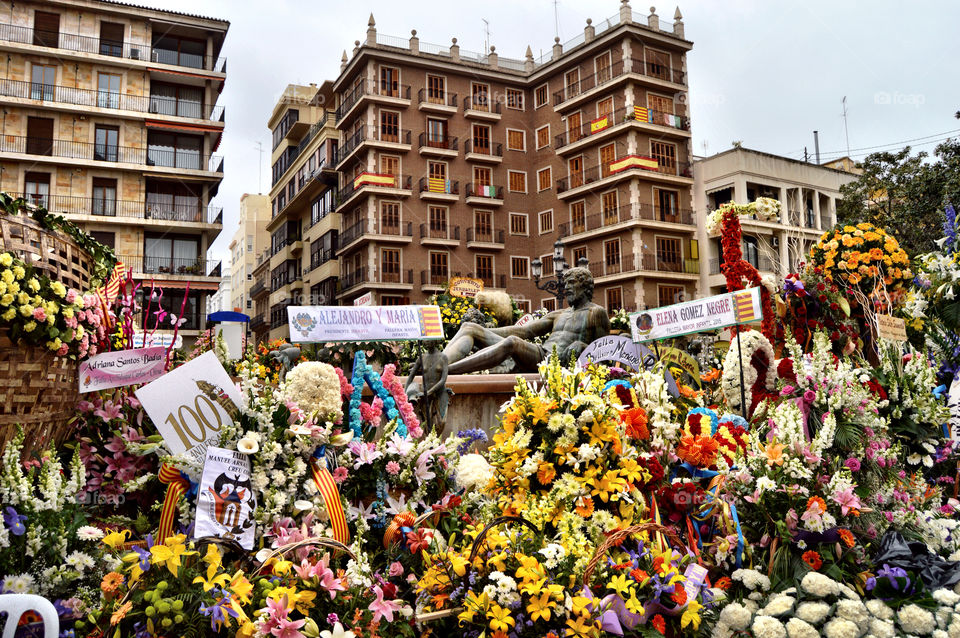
(455, 163)
(807, 192)
(299, 266)
(110, 117)
(221, 297)
(249, 240)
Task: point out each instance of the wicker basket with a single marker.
(37, 389)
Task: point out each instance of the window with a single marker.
(523, 305)
(389, 81)
(187, 101)
(575, 167)
(389, 126)
(515, 99)
(46, 29)
(579, 254)
(660, 103)
(437, 133)
(541, 96)
(608, 155)
(483, 225)
(667, 210)
(669, 295)
(37, 189)
(544, 179)
(572, 83)
(608, 206)
(389, 165)
(666, 156)
(106, 238)
(518, 224)
(390, 218)
(321, 206)
(605, 108)
(517, 181)
(520, 267)
(394, 300)
(173, 255)
(104, 197)
(108, 92)
(481, 177)
(668, 254)
(543, 136)
(603, 67)
(111, 39)
(658, 63)
(611, 256)
(614, 298)
(390, 265)
(43, 81)
(180, 151)
(249, 243)
(484, 264)
(40, 135)
(516, 140)
(574, 131)
(106, 139)
(173, 201)
(549, 304)
(751, 251)
(171, 49)
(546, 265)
(479, 96)
(546, 221)
(481, 139)
(578, 220)
(439, 268)
(436, 93)
(438, 222)
(437, 170)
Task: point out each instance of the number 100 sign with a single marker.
(186, 404)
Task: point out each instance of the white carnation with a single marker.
(767, 627)
(841, 628)
(735, 616)
(797, 628)
(778, 605)
(916, 620)
(946, 597)
(882, 628)
(853, 610)
(751, 579)
(720, 630)
(819, 585)
(813, 613)
(315, 388)
(473, 472)
(879, 609)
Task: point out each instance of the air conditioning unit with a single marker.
(775, 241)
(134, 54)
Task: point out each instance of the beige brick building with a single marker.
(248, 241)
(110, 117)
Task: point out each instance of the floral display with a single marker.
(863, 257)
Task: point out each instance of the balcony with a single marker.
(577, 92)
(434, 235)
(442, 147)
(121, 208)
(492, 281)
(400, 186)
(174, 267)
(603, 127)
(762, 264)
(618, 169)
(826, 221)
(436, 188)
(98, 46)
(481, 108)
(613, 220)
(321, 257)
(400, 231)
(489, 239)
(292, 126)
(623, 266)
(399, 278)
(259, 289)
(291, 153)
(87, 151)
(443, 102)
(486, 153)
(484, 195)
(91, 98)
(434, 279)
(388, 93)
(258, 323)
(395, 140)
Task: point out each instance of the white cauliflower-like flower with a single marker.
(315, 387)
(778, 605)
(819, 585)
(751, 579)
(720, 630)
(797, 628)
(916, 620)
(813, 612)
(841, 628)
(473, 471)
(768, 627)
(879, 609)
(882, 628)
(735, 616)
(946, 597)
(853, 610)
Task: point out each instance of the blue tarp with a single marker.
(227, 315)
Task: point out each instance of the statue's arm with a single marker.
(531, 330)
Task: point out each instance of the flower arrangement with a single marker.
(45, 313)
(862, 257)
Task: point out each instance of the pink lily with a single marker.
(382, 608)
(847, 500)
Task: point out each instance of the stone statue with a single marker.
(286, 356)
(568, 330)
(433, 365)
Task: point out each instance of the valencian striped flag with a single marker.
(431, 325)
(743, 306)
(331, 497)
(641, 114)
(376, 179)
(109, 292)
(438, 185)
(633, 161)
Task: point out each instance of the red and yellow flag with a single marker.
(375, 179)
(331, 499)
(634, 161)
(431, 322)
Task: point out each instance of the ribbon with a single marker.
(331, 495)
(401, 524)
(177, 485)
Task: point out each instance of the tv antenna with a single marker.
(846, 132)
(486, 36)
(556, 18)
(260, 167)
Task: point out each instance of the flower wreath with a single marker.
(759, 371)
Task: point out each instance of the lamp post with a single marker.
(560, 266)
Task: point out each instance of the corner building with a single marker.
(456, 163)
(110, 117)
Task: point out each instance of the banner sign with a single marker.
(123, 367)
(225, 500)
(190, 404)
(623, 350)
(321, 324)
(465, 287)
(891, 328)
(681, 360)
(141, 340)
(366, 299)
(376, 179)
(698, 315)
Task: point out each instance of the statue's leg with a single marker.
(526, 354)
(468, 337)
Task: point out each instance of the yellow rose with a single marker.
(6, 259)
(59, 289)
(9, 314)
(19, 272)
(7, 276)
(30, 326)
(26, 310)
(6, 300)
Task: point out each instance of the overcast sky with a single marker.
(765, 73)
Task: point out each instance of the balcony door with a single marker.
(667, 205)
(389, 81)
(172, 255)
(106, 144)
(43, 80)
(390, 265)
(175, 151)
(436, 133)
(173, 201)
(104, 197)
(37, 189)
(389, 126)
(46, 29)
(111, 39)
(40, 135)
(108, 90)
(669, 257)
(435, 89)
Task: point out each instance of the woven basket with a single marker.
(38, 390)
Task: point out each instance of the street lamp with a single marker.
(560, 266)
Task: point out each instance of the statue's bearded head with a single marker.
(578, 286)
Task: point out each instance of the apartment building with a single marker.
(808, 193)
(248, 241)
(220, 299)
(458, 163)
(299, 266)
(110, 117)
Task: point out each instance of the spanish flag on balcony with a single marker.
(375, 179)
(430, 324)
(634, 161)
(599, 124)
(641, 114)
(438, 185)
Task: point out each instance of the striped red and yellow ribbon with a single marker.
(177, 486)
(109, 292)
(331, 499)
(393, 533)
